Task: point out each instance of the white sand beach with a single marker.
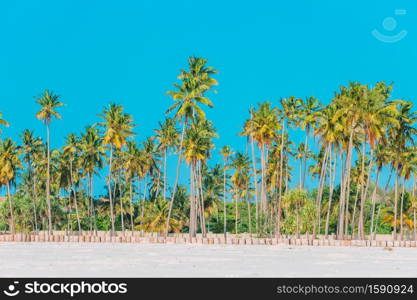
(171, 260)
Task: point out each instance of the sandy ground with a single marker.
(161, 260)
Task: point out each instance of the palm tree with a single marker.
(197, 146)
(240, 179)
(167, 136)
(226, 152)
(263, 127)
(3, 122)
(118, 128)
(294, 201)
(131, 165)
(401, 135)
(309, 111)
(9, 164)
(31, 146)
(196, 82)
(49, 102)
(91, 160)
(70, 149)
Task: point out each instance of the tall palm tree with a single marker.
(309, 110)
(263, 127)
(167, 136)
(196, 82)
(197, 146)
(90, 161)
(71, 149)
(118, 128)
(240, 178)
(31, 146)
(9, 164)
(49, 102)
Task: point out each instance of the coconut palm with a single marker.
(187, 96)
(90, 161)
(167, 136)
(118, 128)
(3, 122)
(49, 102)
(9, 165)
(309, 117)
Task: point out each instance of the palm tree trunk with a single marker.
(224, 200)
(352, 219)
(12, 225)
(281, 164)
(255, 178)
(110, 192)
(249, 213)
(93, 211)
(346, 183)
(320, 191)
(373, 203)
(200, 186)
(131, 204)
(48, 184)
(192, 204)
(395, 203)
(121, 208)
(401, 212)
(332, 179)
(263, 195)
(176, 180)
(165, 174)
(236, 216)
(305, 157)
(35, 197)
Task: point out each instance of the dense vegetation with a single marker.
(359, 136)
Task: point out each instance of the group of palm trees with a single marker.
(359, 139)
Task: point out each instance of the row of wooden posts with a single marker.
(96, 238)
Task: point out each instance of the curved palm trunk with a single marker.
(48, 184)
(12, 225)
(177, 174)
(110, 192)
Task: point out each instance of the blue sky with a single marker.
(130, 52)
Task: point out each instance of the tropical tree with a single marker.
(118, 128)
(9, 165)
(49, 102)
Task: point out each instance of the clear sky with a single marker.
(130, 52)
